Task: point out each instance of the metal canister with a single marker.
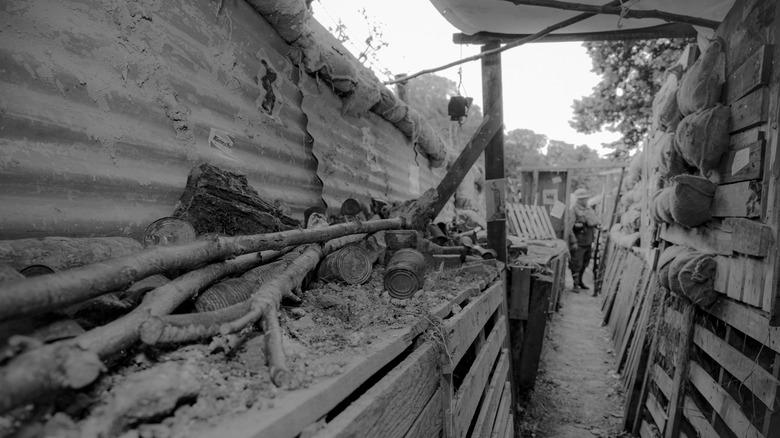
(351, 264)
(405, 273)
(168, 231)
(36, 270)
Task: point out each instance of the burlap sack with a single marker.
(697, 279)
(692, 200)
(664, 260)
(666, 112)
(675, 266)
(701, 85)
(661, 206)
(670, 162)
(702, 138)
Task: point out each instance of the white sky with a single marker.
(540, 80)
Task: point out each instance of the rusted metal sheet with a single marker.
(361, 157)
(105, 107)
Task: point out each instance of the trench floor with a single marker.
(577, 392)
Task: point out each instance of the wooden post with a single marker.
(566, 212)
(681, 373)
(534, 334)
(494, 152)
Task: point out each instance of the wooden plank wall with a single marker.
(452, 381)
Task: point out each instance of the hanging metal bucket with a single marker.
(405, 273)
(351, 265)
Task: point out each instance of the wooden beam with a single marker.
(751, 75)
(620, 11)
(750, 237)
(494, 152)
(473, 386)
(671, 30)
(720, 400)
(526, 369)
(382, 410)
(742, 199)
(751, 374)
(461, 330)
(487, 413)
(742, 163)
(429, 422)
(708, 238)
(491, 124)
(749, 321)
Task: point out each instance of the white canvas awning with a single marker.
(504, 17)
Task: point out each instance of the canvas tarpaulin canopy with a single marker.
(504, 17)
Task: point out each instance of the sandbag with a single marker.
(666, 112)
(661, 206)
(701, 86)
(670, 161)
(702, 138)
(697, 279)
(662, 267)
(691, 200)
(676, 265)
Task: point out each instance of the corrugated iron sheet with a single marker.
(361, 157)
(104, 108)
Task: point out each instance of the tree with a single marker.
(632, 72)
(523, 147)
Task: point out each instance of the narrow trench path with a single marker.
(577, 393)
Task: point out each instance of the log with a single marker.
(266, 293)
(77, 362)
(223, 202)
(424, 209)
(48, 292)
(61, 253)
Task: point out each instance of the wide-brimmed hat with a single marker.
(581, 193)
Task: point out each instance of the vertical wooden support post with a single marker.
(568, 221)
(534, 334)
(494, 152)
(681, 366)
(536, 197)
(400, 88)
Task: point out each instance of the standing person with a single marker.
(581, 237)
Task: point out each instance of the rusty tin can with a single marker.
(405, 273)
(168, 231)
(351, 264)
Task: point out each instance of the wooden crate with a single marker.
(436, 375)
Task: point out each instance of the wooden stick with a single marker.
(277, 364)
(618, 10)
(520, 42)
(195, 326)
(49, 292)
(77, 362)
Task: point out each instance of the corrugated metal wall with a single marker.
(106, 105)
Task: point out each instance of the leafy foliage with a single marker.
(632, 72)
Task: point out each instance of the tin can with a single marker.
(36, 270)
(351, 265)
(405, 273)
(168, 231)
